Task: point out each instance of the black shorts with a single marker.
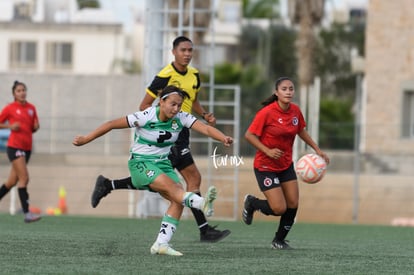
(180, 154)
(14, 153)
(268, 180)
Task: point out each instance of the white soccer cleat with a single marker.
(164, 249)
(208, 201)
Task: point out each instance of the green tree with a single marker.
(333, 59)
(88, 4)
(269, 11)
(330, 60)
(227, 73)
(260, 8)
(338, 83)
(337, 124)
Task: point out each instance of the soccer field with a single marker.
(89, 245)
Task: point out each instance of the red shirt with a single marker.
(26, 115)
(276, 128)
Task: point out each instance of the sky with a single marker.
(123, 9)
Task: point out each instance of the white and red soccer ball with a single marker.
(311, 168)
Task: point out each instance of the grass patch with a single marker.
(90, 245)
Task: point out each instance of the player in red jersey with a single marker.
(21, 118)
(272, 132)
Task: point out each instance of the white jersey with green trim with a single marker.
(153, 138)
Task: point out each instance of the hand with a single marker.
(15, 126)
(324, 156)
(210, 119)
(274, 153)
(227, 141)
(79, 141)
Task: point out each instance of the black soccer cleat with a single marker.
(100, 191)
(213, 235)
(280, 244)
(248, 209)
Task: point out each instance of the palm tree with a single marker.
(308, 14)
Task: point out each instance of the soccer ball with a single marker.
(311, 168)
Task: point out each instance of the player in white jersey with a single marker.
(157, 129)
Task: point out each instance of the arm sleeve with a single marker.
(157, 85)
(187, 119)
(257, 125)
(137, 119)
(4, 115)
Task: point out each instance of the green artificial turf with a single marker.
(90, 245)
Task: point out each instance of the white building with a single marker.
(54, 36)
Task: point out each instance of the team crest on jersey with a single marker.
(267, 182)
(30, 112)
(295, 121)
(174, 124)
(150, 173)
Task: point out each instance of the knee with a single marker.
(278, 209)
(23, 182)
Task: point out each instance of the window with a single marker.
(23, 54)
(408, 115)
(230, 11)
(59, 55)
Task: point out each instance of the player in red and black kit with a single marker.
(272, 132)
(22, 120)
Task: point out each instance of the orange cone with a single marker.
(62, 200)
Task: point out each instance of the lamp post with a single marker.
(357, 64)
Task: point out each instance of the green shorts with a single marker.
(144, 172)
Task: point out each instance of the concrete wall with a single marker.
(74, 104)
(381, 197)
(388, 64)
